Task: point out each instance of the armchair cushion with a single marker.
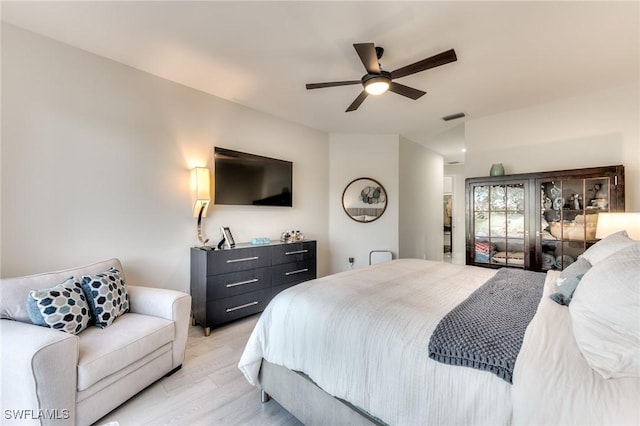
(130, 338)
(63, 307)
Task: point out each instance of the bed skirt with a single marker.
(301, 397)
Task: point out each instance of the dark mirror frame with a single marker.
(372, 196)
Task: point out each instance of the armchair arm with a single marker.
(168, 304)
(39, 374)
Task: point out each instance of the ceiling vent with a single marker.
(453, 116)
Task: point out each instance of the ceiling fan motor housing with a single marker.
(376, 84)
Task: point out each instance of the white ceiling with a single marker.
(261, 54)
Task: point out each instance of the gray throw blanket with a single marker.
(486, 330)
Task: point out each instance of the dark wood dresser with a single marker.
(233, 283)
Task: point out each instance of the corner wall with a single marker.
(96, 158)
(421, 195)
(412, 175)
(353, 156)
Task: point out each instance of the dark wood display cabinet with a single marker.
(233, 283)
(538, 221)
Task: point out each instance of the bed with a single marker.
(352, 348)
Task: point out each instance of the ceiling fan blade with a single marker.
(355, 104)
(425, 64)
(332, 84)
(368, 56)
(407, 91)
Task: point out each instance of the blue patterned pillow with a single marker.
(63, 307)
(107, 296)
(568, 281)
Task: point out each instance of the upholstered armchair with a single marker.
(55, 377)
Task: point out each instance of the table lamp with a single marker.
(610, 223)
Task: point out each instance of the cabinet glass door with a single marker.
(569, 215)
(499, 224)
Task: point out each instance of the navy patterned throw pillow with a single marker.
(107, 296)
(63, 307)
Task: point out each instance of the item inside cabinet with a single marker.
(509, 257)
(484, 251)
(582, 228)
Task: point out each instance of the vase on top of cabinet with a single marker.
(539, 221)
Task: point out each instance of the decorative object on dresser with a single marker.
(234, 283)
(201, 195)
(227, 238)
(291, 236)
(539, 221)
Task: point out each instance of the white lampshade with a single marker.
(610, 223)
(200, 190)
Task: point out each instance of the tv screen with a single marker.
(246, 179)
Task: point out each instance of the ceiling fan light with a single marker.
(376, 86)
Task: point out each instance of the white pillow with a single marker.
(605, 313)
(607, 246)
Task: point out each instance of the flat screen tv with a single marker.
(243, 179)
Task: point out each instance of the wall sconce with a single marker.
(610, 223)
(201, 195)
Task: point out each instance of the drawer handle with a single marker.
(244, 259)
(255, 280)
(289, 253)
(299, 271)
(246, 305)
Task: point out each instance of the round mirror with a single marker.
(364, 200)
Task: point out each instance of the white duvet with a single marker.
(553, 384)
(362, 336)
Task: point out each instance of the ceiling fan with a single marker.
(377, 81)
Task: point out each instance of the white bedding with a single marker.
(553, 384)
(362, 336)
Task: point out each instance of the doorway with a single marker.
(447, 218)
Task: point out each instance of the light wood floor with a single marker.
(208, 390)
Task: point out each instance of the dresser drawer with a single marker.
(293, 252)
(293, 273)
(231, 308)
(234, 283)
(233, 260)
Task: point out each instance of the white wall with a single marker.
(421, 190)
(596, 129)
(353, 156)
(96, 158)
